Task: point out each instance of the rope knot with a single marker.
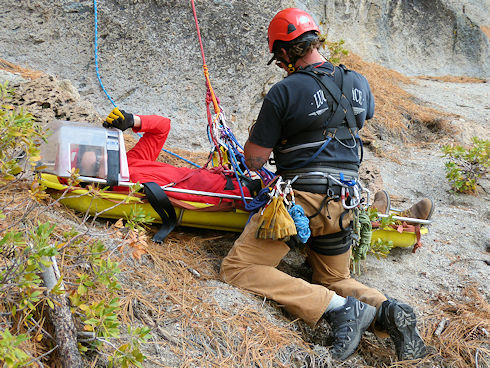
(301, 221)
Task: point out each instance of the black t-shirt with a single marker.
(297, 101)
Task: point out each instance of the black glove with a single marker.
(118, 119)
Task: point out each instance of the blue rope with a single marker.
(103, 88)
(97, 58)
(301, 221)
(263, 173)
(240, 185)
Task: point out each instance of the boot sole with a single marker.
(431, 209)
(388, 202)
(409, 345)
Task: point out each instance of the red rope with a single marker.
(204, 66)
(210, 96)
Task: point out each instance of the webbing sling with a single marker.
(161, 204)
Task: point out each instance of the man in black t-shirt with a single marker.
(310, 121)
(299, 103)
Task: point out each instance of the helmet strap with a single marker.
(289, 64)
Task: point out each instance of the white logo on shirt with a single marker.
(318, 112)
(357, 110)
(357, 95)
(319, 98)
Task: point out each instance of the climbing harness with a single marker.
(340, 126)
(350, 190)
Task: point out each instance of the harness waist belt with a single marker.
(315, 180)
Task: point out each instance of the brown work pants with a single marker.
(251, 265)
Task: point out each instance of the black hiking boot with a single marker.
(348, 323)
(400, 322)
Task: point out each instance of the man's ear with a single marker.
(284, 54)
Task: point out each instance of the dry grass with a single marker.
(463, 338)
(454, 79)
(168, 291)
(24, 72)
(394, 106)
(457, 334)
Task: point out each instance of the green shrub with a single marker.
(19, 135)
(10, 353)
(467, 165)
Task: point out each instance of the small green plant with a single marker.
(129, 354)
(99, 317)
(467, 165)
(336, 50)
(10, 352)
(21, 289)
(381, 248)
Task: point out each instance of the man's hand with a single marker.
(119, 119)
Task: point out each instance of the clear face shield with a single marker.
(96, 152)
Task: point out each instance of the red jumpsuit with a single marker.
(143, 166)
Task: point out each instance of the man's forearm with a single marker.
(256, 156)
(254, 163)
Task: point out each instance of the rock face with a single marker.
(150, 62)
(415, 36)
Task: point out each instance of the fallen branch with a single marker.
(441, 327)
(62, 320)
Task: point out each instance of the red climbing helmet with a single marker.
(289, 24)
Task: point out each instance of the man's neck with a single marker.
(312, 57)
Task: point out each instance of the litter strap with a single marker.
(161, 204)
(113, 166)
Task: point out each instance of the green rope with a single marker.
(363, 231)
